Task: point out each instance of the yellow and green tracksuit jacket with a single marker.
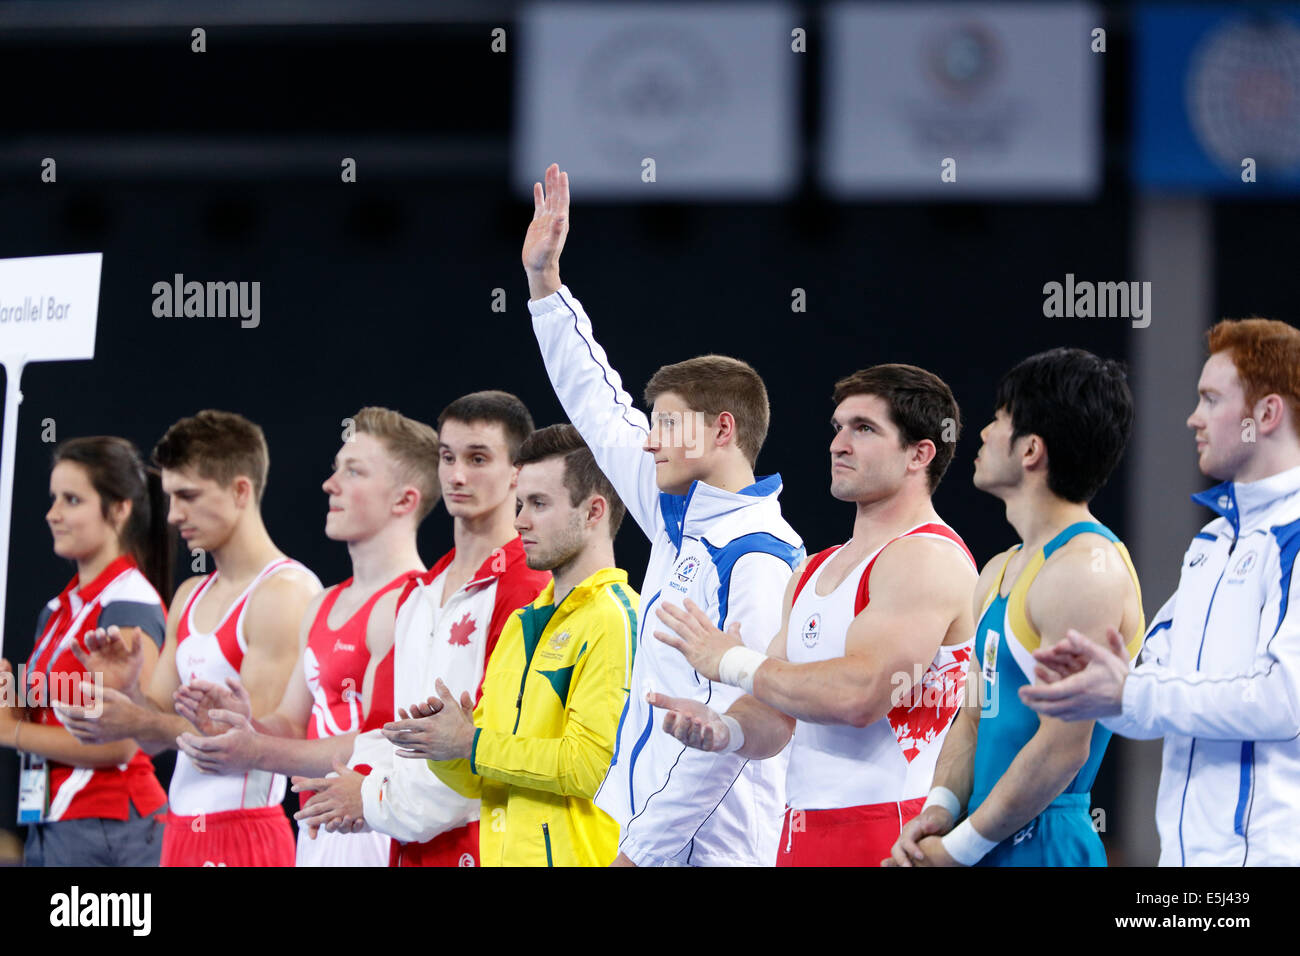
(546, 723)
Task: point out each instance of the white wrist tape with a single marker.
(943, 797)
(965, 845)
(738, 665)
(736, 740)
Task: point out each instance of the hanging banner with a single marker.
(644, 102)
(1218, 99)
(962, 100)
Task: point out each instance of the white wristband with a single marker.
(965, 845)
(736, 740)
(738, 665)
(943, 797)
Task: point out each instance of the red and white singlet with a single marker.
(214, 656)
(334, 666)
(881, 771)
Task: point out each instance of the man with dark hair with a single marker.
(1063, 418)
(686, 475)
(219, 446)
(492, 407)
(540, 740)
(448, 622)
(867, 667)
(1220, 673)
(238, 622)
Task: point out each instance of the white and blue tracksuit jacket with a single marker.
(732, 554)
(1219, 679)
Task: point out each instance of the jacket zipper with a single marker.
(519, 701)
(546, 835)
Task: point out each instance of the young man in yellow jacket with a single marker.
(540, 741)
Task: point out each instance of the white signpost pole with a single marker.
(49, 306)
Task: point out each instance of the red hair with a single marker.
(1267, 356)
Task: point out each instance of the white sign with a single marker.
(48, 306)
(659, 101)
(961, 99)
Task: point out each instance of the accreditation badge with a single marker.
(33, 790)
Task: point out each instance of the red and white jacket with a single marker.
(433, 641)
(119, 595)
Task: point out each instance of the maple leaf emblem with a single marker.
(462, 630)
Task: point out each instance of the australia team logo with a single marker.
(991, 658)
(812, 630)
(559, 640)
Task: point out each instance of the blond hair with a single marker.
(413, 446)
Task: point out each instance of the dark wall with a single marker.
(387, 299)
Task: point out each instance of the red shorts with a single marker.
(257, 837)
(849, 836)
(458, 847)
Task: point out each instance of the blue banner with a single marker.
(1218, 99)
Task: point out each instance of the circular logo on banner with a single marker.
(812, 630)
(1243, 94)
(652, 91)
(963, 59)
(465, 860)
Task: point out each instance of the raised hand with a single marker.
(700, 642)
(197, 700)
(546, 233)
(117, 653)
(692, 723)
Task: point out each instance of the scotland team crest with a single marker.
(686, 569)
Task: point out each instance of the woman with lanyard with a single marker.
(92, 805)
